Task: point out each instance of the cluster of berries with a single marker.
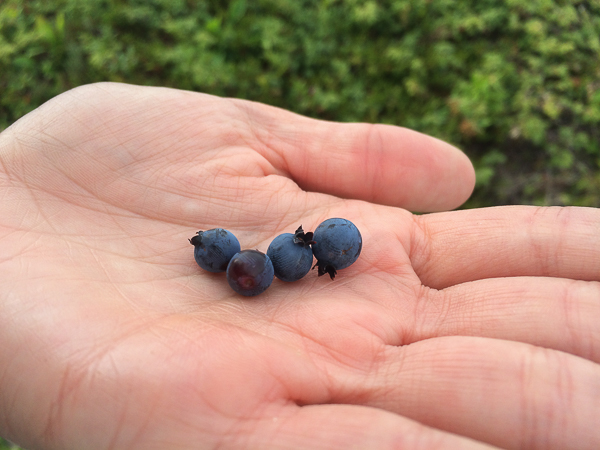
(336, 244)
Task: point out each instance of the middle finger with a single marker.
(555, 313)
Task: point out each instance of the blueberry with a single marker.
(291, 255)
(250, 272)
(213, 249)
(337, 245)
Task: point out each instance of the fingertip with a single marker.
(450, 177)
(392, 166)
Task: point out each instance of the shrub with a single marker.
(516, 84)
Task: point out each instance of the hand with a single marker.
(455, 330)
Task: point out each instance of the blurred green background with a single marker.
(514, 83)
(4, 445)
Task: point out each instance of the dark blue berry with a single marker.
(291, 255)
(337, 245)
(213, 249)
(250, 272)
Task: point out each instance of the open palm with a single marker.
(452, 330)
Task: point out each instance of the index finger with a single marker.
(460, 246)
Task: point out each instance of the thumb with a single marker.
(377, 163)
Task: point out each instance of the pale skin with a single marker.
(466, 329)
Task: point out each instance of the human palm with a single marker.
(454, 330)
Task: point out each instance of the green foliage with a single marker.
(515, 84)
(5, 445)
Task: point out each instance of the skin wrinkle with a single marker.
(53, 147)
(101, 117)
(270, 317)
(314, 347)
(7, 137)
(30, 191)
(232, 113)
(7, 257)
(564, 401)
(593, 337)
(5, 422)
(573, 320)
(268, 142)
(469, 319)
(110, 280)
(373, 160)
(34, 247)
(287, 225)
(548, 258)
(143, 428)
(420, 246)
(352, 362)
(83, 187)
(91, 377)
(198, 428)
(485, 316)
(280, 416)
(298, 168)
(169, 138)
(529, 426)
(388, 257)
(88, 206)
(567, 386)
(187, 179)
(114, 439)
(224, 409)
(392, 301)
(441, 305)
(67, 384)
(121, 414)
(571, 323)
(541, 254)
(240, 432)
(431, 310)
(540, 414)
(85, 244)
(320, 351)
(99, 350)
(41, 212)
(177, 137)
